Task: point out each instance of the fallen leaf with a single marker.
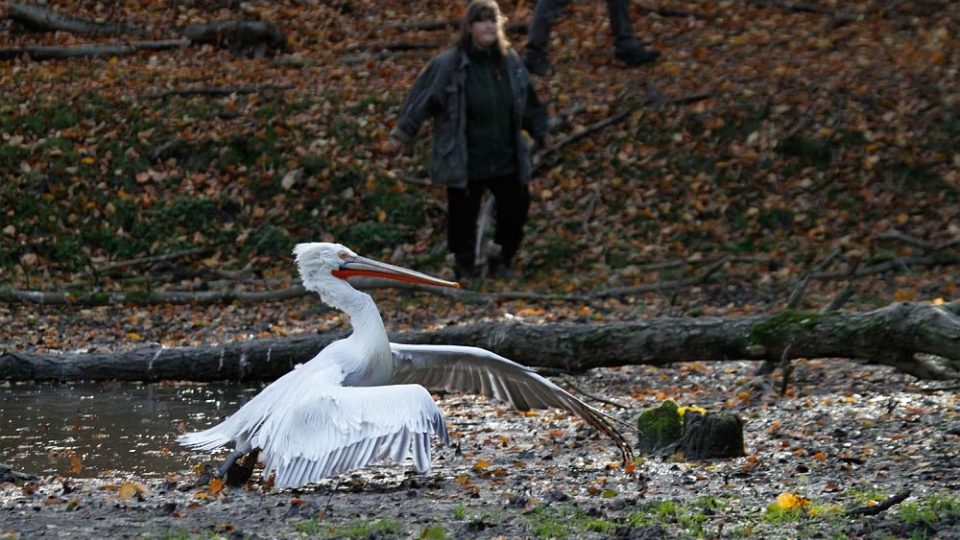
(789, 501)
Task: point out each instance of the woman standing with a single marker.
(479, 95)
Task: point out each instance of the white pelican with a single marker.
(363, 399)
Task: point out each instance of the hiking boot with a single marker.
(464, 271)
(536, 62)
(637, 55)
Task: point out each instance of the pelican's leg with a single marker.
(236, 474)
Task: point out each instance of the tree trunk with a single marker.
(917, 338)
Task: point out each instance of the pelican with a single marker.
(362, 399)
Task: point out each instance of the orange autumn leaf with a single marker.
(76, 464)
(819, 456)
(789, 501)
(216, 485)
(481, 464)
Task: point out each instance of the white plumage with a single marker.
(323, 418)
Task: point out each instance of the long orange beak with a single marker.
(362, 266)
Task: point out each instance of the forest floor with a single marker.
(830, 129)
(846, 435)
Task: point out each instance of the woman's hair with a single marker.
(483, 10)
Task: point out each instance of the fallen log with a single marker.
(253, 38)
(39, 18)
(917, 338)
(43, 52)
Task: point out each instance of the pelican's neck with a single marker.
(369, 336)
(366, 321)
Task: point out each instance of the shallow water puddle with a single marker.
(87, 430)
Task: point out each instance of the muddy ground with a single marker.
(846, 435)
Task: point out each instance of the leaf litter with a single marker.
(799, 102)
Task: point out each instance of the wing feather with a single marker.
(453, 368)
(337, 429)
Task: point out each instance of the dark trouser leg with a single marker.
(513, 205)
(544, 15)
(619, 11)
(463, 205)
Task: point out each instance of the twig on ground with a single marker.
(222, 91)
(921, 243)
(879, 508)
(786, 368)
(609, 121)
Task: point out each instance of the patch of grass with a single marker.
(355, 529)
(931, 509)
(12, 156)
(865, 496)
(559, 522)
(311, 527)
(556, 252)
(270, 239)
(546, 522)
(459, 511)
(779, 516)
(401, 208)
(370, 237)
(365, 529)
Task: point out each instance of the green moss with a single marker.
(140, 296)
(434, 532)
(779, 328)
(659, 426)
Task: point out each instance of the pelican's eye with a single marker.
(344, 255)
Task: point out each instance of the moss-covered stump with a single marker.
(712, 436)
(660, 427)
(694, 431)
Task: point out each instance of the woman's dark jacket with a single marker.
(439, 92)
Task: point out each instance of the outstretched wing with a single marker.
(336, 429)
(454, 368)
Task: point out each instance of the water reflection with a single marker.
(104, 429)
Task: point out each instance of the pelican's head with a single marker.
(323, 264)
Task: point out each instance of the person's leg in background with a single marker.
(513, 206)
(538, 38)
(463, 206)
(625, 44)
